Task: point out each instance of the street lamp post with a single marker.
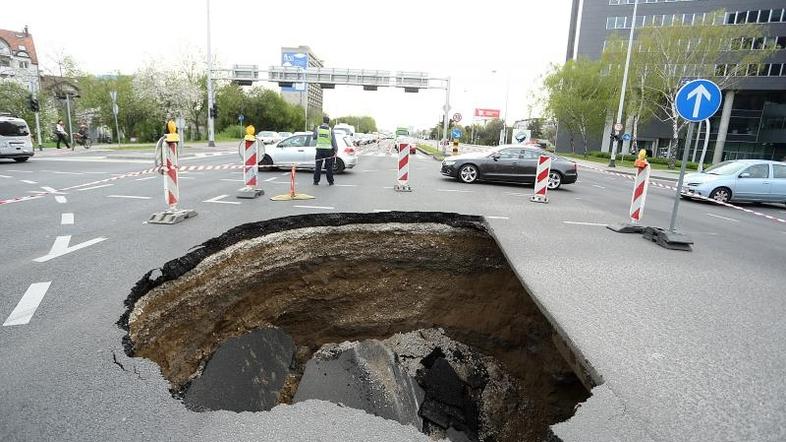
(612, 160)
(211, 136)
(503, 135)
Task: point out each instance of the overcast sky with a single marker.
(516, 39)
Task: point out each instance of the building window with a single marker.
(775, 69)
(5, 61)
(23, 65)
(776, 15)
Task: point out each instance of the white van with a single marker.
(15, 141)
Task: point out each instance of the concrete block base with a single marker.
(171, 216)
(539, 199)
(668, 240)
(249, 193)
(402, 188)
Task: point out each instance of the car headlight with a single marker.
(448, 163)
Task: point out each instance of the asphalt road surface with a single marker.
(686, 345)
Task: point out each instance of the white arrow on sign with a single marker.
(699, 93)
(60, 247)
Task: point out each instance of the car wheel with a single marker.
(721, 194)
(555, 180)
(21, 160)
(338, 166)
(468, 173)
(266, 161)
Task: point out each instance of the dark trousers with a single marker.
(61, 137)
(328, 156)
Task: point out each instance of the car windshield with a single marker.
(13, 129)
(285, 134)
(267, 134)
(725, 168)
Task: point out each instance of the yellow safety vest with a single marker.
(323, 139)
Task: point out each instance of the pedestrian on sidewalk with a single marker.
(326, 150)
(61, 134)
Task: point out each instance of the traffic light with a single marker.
(214, 111)
(34, 105)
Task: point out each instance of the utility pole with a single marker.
(34, 93)
(68, 105)
(115, 110)
(446, 109)
(211, 136)
(612, 160)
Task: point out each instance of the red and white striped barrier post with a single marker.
(542, 180)
(250, 166)
(402, 177)
(640, 184)
(170, 163)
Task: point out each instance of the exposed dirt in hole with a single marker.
(364, 277)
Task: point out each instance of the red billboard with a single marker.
(487, 113)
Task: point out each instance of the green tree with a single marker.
(363, 124)
(668, 55)
(578, 97)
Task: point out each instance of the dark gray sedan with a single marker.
(509, 163)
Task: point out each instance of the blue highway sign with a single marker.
(698, 100)
(455, 132)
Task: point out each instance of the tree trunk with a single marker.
(584, 139)
(572, 143)
(674, 143)
(635, 135)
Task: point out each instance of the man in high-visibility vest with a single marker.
(326, 150)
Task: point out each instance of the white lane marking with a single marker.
(97, 173)
(20, 171)
(388, 187)
(5, 176)
(496, 217)
(218, 199)
(599, 187)
(94, 187)
(345, 185)
(722, 217)
(29, 181)
(27, 306)
(285, 173)
(316, 207)
(60, 247)
(61, 199)
(133, 197)
(59, 172)
(517, 194)
(381, 210)
(51, 190)
(146, 178)
(270, 179)
(66, 218)
(455, 190)
(370, 170)
(232, 180)
(581, 223)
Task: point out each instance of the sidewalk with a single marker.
(654, 174)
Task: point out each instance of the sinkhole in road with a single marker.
(412, 316)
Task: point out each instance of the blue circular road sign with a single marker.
(698, 100)
(626, 137)
(455, 132)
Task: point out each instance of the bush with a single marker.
(235, 132)
(599, 154)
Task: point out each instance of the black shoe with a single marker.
(316, 184)
(330, 184)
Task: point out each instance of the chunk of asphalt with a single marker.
(244, 374)
(363, 375)
(448, 403)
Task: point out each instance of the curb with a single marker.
(624, 172)
(426, 153)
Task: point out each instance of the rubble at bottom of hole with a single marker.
(421, 378)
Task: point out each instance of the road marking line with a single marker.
(129, 197)
(517, 194)
(59, 172)
(723, 217)
(345, 185)
(370, 170)
(187, 178)
(61, 199)
(5, 176)
(60, 247)
(316, 207)
(51, 190)
(455, 190)
(20, 171)
(270, 179)
(29, 182)
(581, 223)
(146, 178)
(496, 217)
(94, 187)
(599, 187)
(232, 180)
(381, 210)
(27, 306)
(218, 199)
(285, 173)
(66, 218)
(388, 187)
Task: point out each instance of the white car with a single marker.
(300, 149)
(15, 141)
(268, 137)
